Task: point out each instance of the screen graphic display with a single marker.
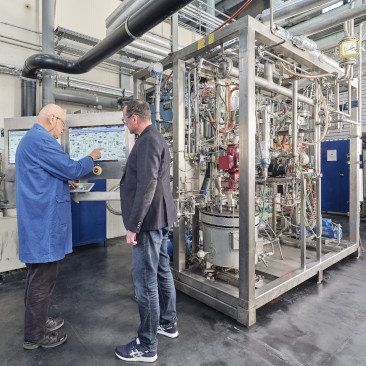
(83, 140)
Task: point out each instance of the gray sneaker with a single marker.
(54, 324)
(50, 340)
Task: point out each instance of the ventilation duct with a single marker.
(151, 14)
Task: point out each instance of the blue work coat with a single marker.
(42, 170)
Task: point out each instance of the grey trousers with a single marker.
(40, 282)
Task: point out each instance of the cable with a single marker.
(233, 16)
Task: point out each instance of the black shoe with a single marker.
(50, 340)
(54, 324)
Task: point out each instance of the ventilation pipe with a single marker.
(151, 14)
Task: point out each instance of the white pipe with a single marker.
(263, 83)
(157, 99)
(329, 19)
(149, 48)
(359, 103)
(291, 8)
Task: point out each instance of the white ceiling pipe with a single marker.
(290, 22)
(126, 14)
(150, 48)
(291, 8)
(329, 19)
(330, 41)
(148, 37)
(116, 12)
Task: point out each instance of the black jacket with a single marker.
(146, 198)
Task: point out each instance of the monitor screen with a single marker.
(13, 141)
(14, 137)
(83, 140)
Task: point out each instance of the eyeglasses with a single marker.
(125, 119)
(63, 122)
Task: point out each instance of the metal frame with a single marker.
(241, 303)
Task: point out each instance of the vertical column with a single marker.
(174, 32)
(317, 165)
(354, 173)
(247, 126)
(48, 46)
(179, 245)
(302, 224)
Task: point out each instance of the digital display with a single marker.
(83, 140)
(14, 137)
(13, 142)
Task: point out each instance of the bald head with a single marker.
(52, 118)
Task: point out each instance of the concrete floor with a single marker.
(310, 325)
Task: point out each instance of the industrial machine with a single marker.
(251, 106)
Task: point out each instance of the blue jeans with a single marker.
(154, 285)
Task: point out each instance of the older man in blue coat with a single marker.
(43, 170)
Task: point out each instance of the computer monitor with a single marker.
(14, 137)
(83, 140)
(85, 132)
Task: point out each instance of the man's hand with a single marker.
(131, 238)
(72, 184)
(96, 154)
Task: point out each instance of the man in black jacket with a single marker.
(148, 211)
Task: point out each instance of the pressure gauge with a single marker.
(350, 48)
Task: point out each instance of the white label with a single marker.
(331, 155)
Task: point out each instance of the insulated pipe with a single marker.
(268, 71)
(329, 19)
(291, 8)
(48, 46)
(85, 98)
(151, 14)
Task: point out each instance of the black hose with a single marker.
(151, 14)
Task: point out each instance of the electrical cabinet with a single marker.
(89, 218)
(335, 170)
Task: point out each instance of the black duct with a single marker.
(151, 14)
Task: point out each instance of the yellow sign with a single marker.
(211, 38)
(201, 43)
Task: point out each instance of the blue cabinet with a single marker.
(89, 219)
(335, 181)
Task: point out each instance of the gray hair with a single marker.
(139, 108)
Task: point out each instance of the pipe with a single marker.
(291, 8)
(130, 8)
(294, 119)
(328, 20)
(157, 100)
(145, 46)
(85, 98)
(359, 103)
(268, 71)
(48, 47)
(263, 83)
(151, 14)
(70, 82)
